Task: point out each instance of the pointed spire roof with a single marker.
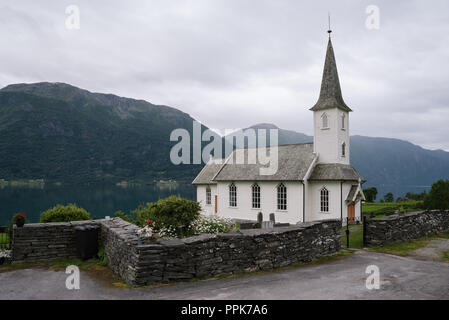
(330, 94)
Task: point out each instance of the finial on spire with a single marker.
(329, 30)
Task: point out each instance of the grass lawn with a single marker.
(403, 248)
(355, 236)
(408, 206)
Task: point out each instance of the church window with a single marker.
(343, 121)
(282, 197)
(324, 200)
(325, 121)
(208, 195)
(255, 190)
(343, 149)
(232, 195)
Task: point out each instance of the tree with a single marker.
(438, 197)
(370, 194)
(389, 197)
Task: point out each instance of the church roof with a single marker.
(293, 162)
(335, 171)
(208, 172)
(330, 94)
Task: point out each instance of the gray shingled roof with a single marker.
(330, 94)
(352, 192)
(205, 176)
(335, 171)
(293, 162)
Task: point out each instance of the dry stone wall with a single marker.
(407, 226)
(141, 262)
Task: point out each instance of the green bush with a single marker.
(438, 197)
(174, 215)
(60, 213)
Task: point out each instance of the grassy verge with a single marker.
(445, 256)
(55, 264)
(403, 248)
(391, 207)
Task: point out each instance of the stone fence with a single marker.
(169, 259)
(406, 226)
(45, 241)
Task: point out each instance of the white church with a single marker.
(314, 181)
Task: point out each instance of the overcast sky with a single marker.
(235, 63)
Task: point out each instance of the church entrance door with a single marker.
(351, 213)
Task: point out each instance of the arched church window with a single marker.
(232, 195)
(282, 197)
(255, 190)
(324, 200)
(208, 195)
(324, 121)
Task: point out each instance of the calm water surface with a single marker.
(99, 200)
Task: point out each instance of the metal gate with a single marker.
(352, 221)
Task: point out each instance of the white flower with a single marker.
(146, 232)
(5, 254)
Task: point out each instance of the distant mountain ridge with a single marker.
(59, 132)
(391, 165)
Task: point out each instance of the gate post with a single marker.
(364, 229)
(347, 232)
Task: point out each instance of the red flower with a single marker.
(22, 214)
(149, 222)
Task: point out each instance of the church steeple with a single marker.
(330, 94)
(331, 116)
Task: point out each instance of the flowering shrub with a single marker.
(19, 218)
(171, 217)
(212, 224)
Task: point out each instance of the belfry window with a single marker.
(343, 149)
(343, 121)
(324, 200)
(324, 121)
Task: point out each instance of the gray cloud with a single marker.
(233, 63)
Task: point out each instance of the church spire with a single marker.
(330, 94)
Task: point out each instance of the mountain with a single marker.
(390, 165)
(58, 132)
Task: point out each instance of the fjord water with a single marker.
(99, 200)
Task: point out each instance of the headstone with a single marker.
(272, 218)
(259, 217)
(267, 225)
